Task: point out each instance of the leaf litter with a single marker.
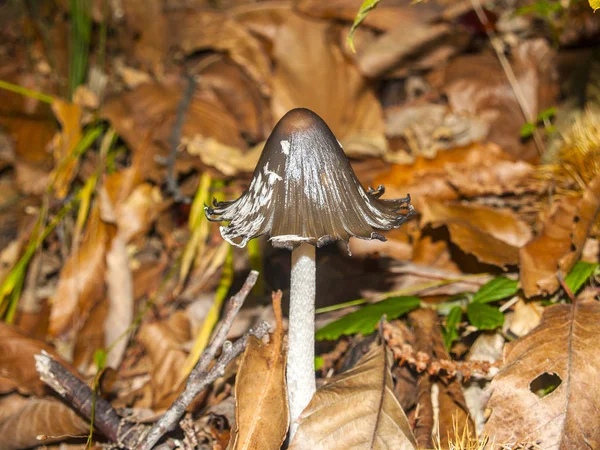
(115, 114)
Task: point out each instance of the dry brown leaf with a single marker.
(47, 417)
(431, 178)
(241, 97)
(477, 85)
(144, 118)
(81, 282)
(493, 178)
(561, 242)
(17, 366)
(356, 410)
(391, 49)
(119, 284)
(312, 72)
(494, 236)
(260, 391)
(217, 31)
(388, 15)
(163, 342)
(563, 348)
(69, 116)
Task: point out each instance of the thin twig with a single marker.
(175, 139)
(199, 377)
(512, 79)
(78, 395)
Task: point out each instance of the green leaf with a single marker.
(100, 358)
(594, 4)
(364, 10)
(546, 114)
(527, 130)
(319, 361)
(579, 274)
(365, 319)
(496, 289)
(450, 331)
(484, 317)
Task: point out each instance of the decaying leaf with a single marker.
(477, 85)
(546, 392)
(48, 418)
(260, 391)
(304, 52)
(494, 236)
(81, 282)
(356, 410)
(560, 243)
(163, 342)
(17, 366)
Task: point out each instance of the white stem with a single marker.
(301, 335)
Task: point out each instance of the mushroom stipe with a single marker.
(304, 194)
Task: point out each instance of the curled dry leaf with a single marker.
(436, 178)
(561, 242)
(304, 51)
(389, 15)
(477, 85)
(356, 410)
(493, 236)
(163, 342)
(17, 366)
(36, 417)
(262, 416)
(546, 392)
(81, 282)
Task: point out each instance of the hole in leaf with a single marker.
(545, 384)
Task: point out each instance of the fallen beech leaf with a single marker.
(217, 31)
(303, 52)
(46, 417)
(560, 243)
(477, 85)
(119, 283)
(356, 410)
(391, 49)
(493, 236)
(17, 366)
(561, 353)
(262, 416)
(163, 342)
(432, 178)
(241, 97)
(227, 160)
(81, 282)
(493, 178)
(387, 16)
(144, 118)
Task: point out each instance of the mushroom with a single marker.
(304, 194)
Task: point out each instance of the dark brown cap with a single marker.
(304, 190)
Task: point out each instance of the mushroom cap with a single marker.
(304, 190)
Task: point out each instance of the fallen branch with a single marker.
(200, 377)
(127, 434)
(175, 139)
(79, 396)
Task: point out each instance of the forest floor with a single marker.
(474, 325)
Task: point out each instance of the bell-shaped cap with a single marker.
(304, 190)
